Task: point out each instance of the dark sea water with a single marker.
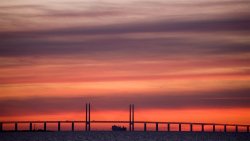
(122, 136)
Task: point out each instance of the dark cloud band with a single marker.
(201, 100)
(37, 43)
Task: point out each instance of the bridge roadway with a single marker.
(244, 128)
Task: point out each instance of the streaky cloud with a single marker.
(196, 100)
(234, 23)
(119, 46)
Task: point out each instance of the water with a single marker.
(122, 136)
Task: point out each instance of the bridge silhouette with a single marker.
(131, 123)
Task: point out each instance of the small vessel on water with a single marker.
(118, 128)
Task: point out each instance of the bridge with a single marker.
(87, 122)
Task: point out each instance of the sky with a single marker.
(176, 60)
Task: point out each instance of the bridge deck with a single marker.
(191, 124)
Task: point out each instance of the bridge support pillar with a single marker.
(156, 126)
(214, 128)
(202, 128)
(1, 126)
(16, 127)
(168, 127)
(236, 128)
(180, 127)
(44, 126)
(131, 117)
(191, 127)
(30, 126)
(225, 128)
(59, 126)
(73, 126)
(248, 129)
(145, 127)
(87, 121)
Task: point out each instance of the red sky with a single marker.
(170, 58)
